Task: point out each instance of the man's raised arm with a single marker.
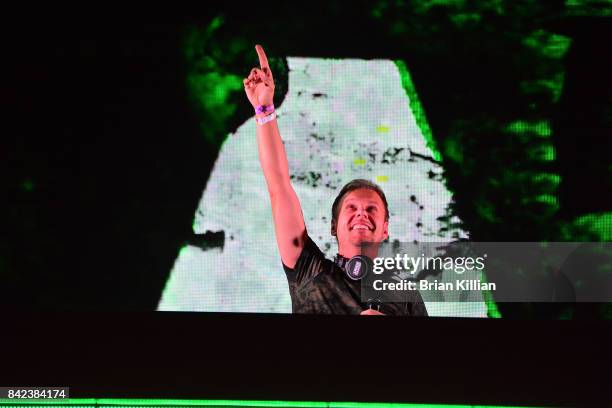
(286, 209)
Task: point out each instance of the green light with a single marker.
(547, 199)
(540, 127)
(589, 7)
(210, 85)
(548, 153)
(417, 109)
(463, 19)
(103, 402)
(600, 224)
(486, 210)
(193, 41)
(424, 6)
(28, 185)
(214, 24)
(548, 204)
(183, 251)
(453, 149)
(398, 28)
(547, 181)
(492, 309)
(547, 44)
(553, 86)
(541, 152)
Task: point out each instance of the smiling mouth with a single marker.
(361, 227)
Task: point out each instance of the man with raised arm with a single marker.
(359, 215)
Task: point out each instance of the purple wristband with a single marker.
(264, 109)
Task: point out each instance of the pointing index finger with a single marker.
(263, 60)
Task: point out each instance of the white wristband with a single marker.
(266, 119)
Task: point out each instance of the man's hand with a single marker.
(371, 312)
(259, 85)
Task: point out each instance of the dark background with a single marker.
(104, 158)
(311, 358)
(107, 152)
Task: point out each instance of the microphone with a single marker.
(374, 304)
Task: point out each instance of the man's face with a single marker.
(361, 218)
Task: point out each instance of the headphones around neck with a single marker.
(357, 267)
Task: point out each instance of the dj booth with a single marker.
(179, 359)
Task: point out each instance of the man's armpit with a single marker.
(309, 263)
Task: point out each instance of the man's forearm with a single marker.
(272, 156)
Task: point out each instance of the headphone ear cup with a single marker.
(358, 267)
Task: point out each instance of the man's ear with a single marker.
(333, 228)
(386, 230)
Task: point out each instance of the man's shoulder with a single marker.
(310, 263)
